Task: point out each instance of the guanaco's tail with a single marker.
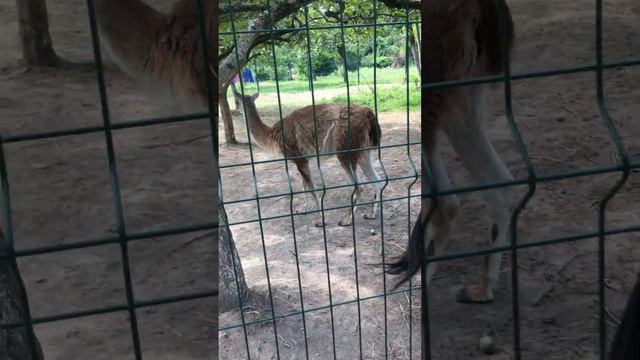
(409, 263)
(374, 129)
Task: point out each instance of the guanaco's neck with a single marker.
(129, 28)
(260, 131)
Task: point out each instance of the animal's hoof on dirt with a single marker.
(344, 222)
(473, 294)
(369, 216)
(319, 223)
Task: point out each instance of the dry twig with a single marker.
(547, 289)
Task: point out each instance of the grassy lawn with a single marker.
(388, 99)
(391, 90)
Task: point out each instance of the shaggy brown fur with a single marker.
(460, 41)
(332, 120)
(337, 130)
(167, 47)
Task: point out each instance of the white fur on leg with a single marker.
(309, 186)
(353, 178)
(367, 166)
(469, 138)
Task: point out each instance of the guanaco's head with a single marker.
(244, 99)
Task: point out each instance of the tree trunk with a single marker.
(227, 118)
(414, 44)
(227, 258)
(358, 64)
(33, 23)
(230, 65)
(290, 71)
(14, 342)
(343, 59)
(238, 109)
(626, 344)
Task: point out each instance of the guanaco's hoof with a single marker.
(344, 222)
(473, 294)
(319, 223)
(369, 216)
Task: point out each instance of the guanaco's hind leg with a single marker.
(470, 141)
(307, 183)
(349, 168)
(440, 223)
(433, 234)
(366, 164)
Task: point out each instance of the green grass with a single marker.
(391, 90)
(383, 76)
(389, 99)
(296, 86)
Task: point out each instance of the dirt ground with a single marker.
(60, 194)
(563, 130)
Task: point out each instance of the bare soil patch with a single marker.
(563, 131)
(60, 194)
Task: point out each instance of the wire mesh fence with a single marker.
(623, 167)
(359, 341)
(395, 186)
(321, 304)
(123, 237)
(311, 287)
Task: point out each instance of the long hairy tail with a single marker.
(409, 262)
(374, 129)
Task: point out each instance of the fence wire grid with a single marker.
(531, 181)
(123, 238)
(309, 31)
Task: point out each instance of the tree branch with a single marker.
(280, 36)
(242, 8)
(226, 52)
(402, 4)
(247, 41)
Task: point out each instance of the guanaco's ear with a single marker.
(255, 96)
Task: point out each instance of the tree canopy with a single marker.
(342, 34)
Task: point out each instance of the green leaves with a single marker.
(329, 52)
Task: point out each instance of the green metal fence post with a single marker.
(255, 185)
(625, 169)
(115, 182)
